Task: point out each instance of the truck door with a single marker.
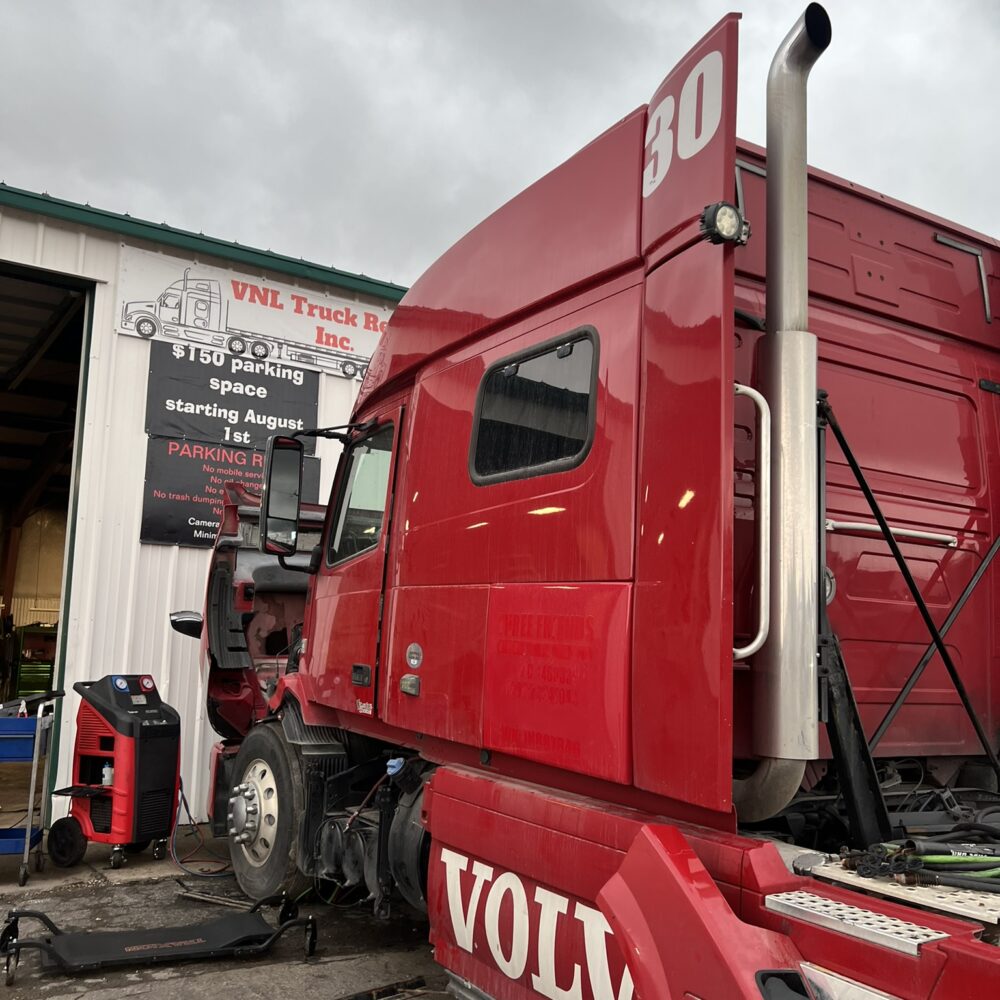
(170, 306)
(343, 648)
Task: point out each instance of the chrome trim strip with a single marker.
(914, 534)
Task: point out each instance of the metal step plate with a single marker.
(983, 907)
(867, 925)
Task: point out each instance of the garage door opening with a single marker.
(43, 319)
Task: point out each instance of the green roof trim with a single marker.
(125, 225)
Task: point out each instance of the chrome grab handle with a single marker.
(762, 479)
(912, 533)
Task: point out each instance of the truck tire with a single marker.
(260, 350)
(265, 810)
(147, 327)
(349, 369)
(237, 345)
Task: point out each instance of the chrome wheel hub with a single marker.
(253, 812)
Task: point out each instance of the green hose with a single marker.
(955, 859)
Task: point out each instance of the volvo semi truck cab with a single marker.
(646, 641)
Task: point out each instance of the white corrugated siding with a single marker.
(122, 592)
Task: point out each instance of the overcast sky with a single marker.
(372, 135)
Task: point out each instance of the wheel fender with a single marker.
(679, 935)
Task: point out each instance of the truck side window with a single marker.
(536, 411)
(357, 519)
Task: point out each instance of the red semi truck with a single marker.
(645, 644)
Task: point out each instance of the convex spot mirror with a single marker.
(187, 623)
(279, 505)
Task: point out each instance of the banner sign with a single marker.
(167, 298)
(210, 395)
(183, 495)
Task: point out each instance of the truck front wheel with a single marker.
(265, 810)
(146, 327)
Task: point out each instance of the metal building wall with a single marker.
(28, 610)
(121, 592)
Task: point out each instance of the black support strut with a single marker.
(867, 815)
(385, 801)
(868, 818)
(826, 413)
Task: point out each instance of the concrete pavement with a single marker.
(355, 952)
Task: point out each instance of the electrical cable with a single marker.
(964, 881)
(364, 802)
(18, 822)
(181, 863)
(961, 831)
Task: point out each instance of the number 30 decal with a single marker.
(694, 130)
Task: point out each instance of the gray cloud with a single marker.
(372, 135)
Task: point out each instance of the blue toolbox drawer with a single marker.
(12, 841)
(17, 739)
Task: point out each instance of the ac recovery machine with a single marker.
(126, 771)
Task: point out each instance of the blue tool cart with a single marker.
(25, 738)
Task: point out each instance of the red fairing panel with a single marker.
(532, 893)
(663, 896)
(578, 222)
(682, 618)
(690, 155)
(510, 891)
(541, 942)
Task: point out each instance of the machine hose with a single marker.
(224, 872)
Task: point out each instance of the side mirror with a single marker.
(315, 559)
(279, 505)
(187, 623)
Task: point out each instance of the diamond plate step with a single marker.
(983, 907)
(867, 925)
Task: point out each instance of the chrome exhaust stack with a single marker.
(785, 672)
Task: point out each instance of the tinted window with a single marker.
(536, 411)
(357, 520)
